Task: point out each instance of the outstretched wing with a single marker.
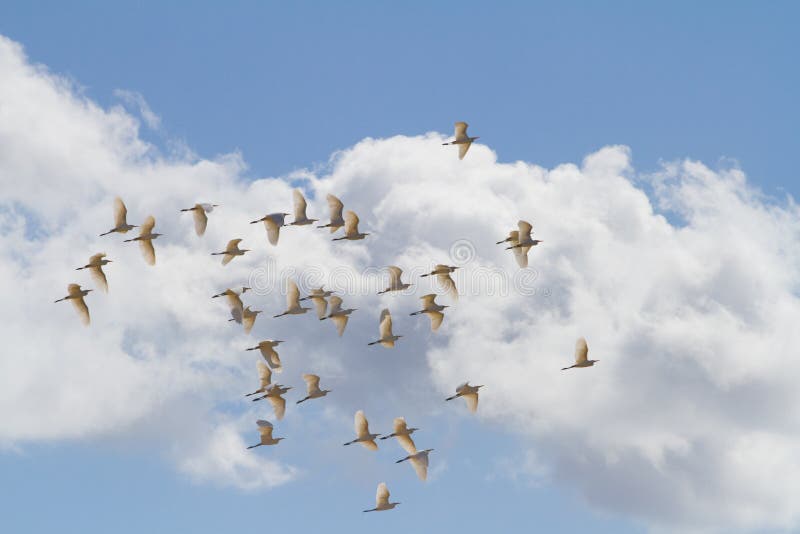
(335, 303)
(386, 324)
(278, 406)
(428, 300)
(264, 374)
(299, 205)
(463, 148)
(436, 318)
(292, 295)
(525, 229)
(148, 225)
(312, 383)
(420, 464)
(461, 131)
(321, 305)
(394, 275)
(99, 277)
(200, 219)
(581, 351)
(341, 322)
(120, 213)
(472, 401)
(360, 424)
(382, 495)
(83, 310)
(265, 429)
(448, 286)
(336, 207)
(148, 252)
(350, 222)
(273, 231)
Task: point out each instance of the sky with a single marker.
(649, 144)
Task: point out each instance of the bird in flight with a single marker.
(395, 284)
(145, 239)
(382, 500)
(419, 461)
(200, 219)
(264, 377)
(362, 433)
(463, 140)
(581, 355)
(95, 267)
(231, 251)
(469, 394)
(293, 306)
(443, 278)
(524, 238)
(520, 253)
(338, 315)
(312, 388)
(403, 435)
(234, 302)
(75, 295)
(274, 396)
(300, 218)
(432, 310)
(265, 429)
(387, 338)
(121, 225)
(268, 352)
(273, 223)
(351, 228)
(317, 298)
(335, 205)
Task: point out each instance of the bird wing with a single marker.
(312, 383)
(463, 148)
(264, 374)
(335, 304)
(83, 310)
(148, 225)
(350, 222)
(269, 353)
(99, 277)
(236, 314)
(360, 423)
(394, 275)
(208, 208)
(581, 351)
(462, 387)
(292, 295)
(525, 230)
(148, 252)
(472, 401)
(407, 443)
(265, 429)
(200, 219)
(369, 445)
(320, 305)
(428, 300)
(74, 290)
(278, 405)
(120, 213)
(95, 259)
(341, 322)
(273, 231)
(436, 318)
(448, 285)
(299, 205)
(420, 464)
(382, 495)
(461, 131)
(248, 320)
(233, 245)
(386, 324)
(234, 301)
(521, 255)
(399, 425)
(336, 207)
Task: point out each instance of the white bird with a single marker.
(362, 433)
(432, 310)
(520, 253)
(145, 239)
(312, 388)
(469, 393)
(273, 395)
(442, 273)
(293, 306)
(268, 352)
(317, 297)
(403, 435)
(336, 207)
(351, 228)
(300, 218)
(395, 284)
(75, 295)
(234, 302)
(120, 219)
(581, 355)
(387, 339)
(461, 139)
(265, 429)
(200, 219)
(248, 318)
(95, 267)
(524, 236)
(382, 499)
(273, 223)
(419, 461)
(273, 390)
(338, 315)
(264, 377)
(231, 251)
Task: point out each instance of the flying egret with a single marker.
(395, 284)
(442, 273)
(382, 500)
(200, 219)
(338, 315)
(336, 207)
(273, 223)
(273, 395)
(265, 429)
(581, 355)
(145, 239)
(293, 306)
(273, 390)
(461, 139)
(520, 253)
(95, 267)
(300, 218)
(403, 435)
(234, 302)
(351, 228)
(432, 310)
(362, 433)
(270, 355)
(120, 219)
(317, 297)
(524, 236)
(264, 377)
(75, 295)
(312, 388)
(387, 339)
(231, 251)
(419, 461)
(469, 393)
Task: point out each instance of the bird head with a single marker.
(245, 289)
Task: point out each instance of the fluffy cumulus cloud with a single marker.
(686, 295)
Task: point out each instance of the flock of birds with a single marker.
(327, 306)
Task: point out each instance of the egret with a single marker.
(312, 388)
(234, 302)
(442, 273)
(419, 461)
(403, 435)
(382, 499)
(387, 339)
(362, 433)
(273, 395)
(581, 355)
(264, 377)
(300, 218)
(520, 253)
(336, 207)
(524, 237)
(268, 352)
(317, 297)
(432, 310)
(395, 284)
(293, 306)
(145, 239)
(338, 315)
(273, 223)
(95, 267)
(265, 429)
(461, 139)
(231, 251)
(351, 228)
(273, 390)
(469, 393)
(200, 219)
(75, 295)
(120, 219)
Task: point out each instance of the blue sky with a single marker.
(287, 84)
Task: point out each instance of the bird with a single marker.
(293, 306)
(121, 225)
(248, 318)
(336, 207)
(403, 435)
(442, 273)
(231, 251)
(387, 339)
(382, 500)
(395, 284)
(317, 297)
(95, 267)
(300, 218)
(234, 302)
(469, 393)
(200, 219)
(520, 253)
(145, 239)
(265, 429)
(524, 237)
(432, 310)
(362, 433)
(273, 395)
(75, 295)
(273, 390)
(461, 139)
(264, 377)
(351, 228)
(419, 461)
(581, 355)
(312, 388)
(270, 355)
(338, 315)
(273, 223)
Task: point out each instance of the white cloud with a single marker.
(137, 100)
(686, 422)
